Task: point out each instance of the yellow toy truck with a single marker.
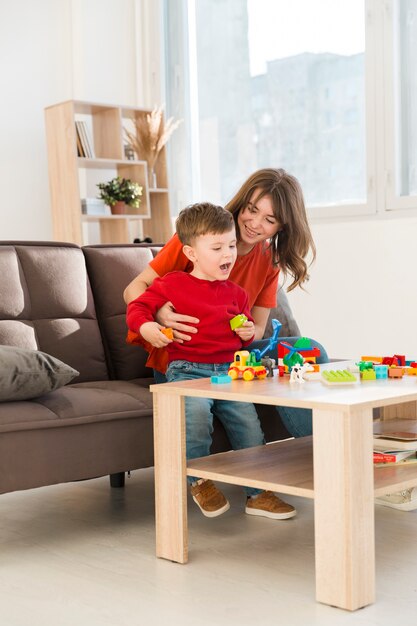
(246, 366)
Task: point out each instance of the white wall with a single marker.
(52, 51)
(35, 70)
(362, 296)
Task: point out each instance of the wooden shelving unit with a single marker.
(106, 123)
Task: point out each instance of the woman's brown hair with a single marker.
(293, 241)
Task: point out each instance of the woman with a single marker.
(273, 236)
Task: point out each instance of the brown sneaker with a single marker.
(267, 504)
(210, 499)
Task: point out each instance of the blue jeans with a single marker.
(239, 419)
(298, 422)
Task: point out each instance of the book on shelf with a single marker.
(393, 456)
(402, 440)
(80, 150)
(85, 139)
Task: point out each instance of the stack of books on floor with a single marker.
(395, 447)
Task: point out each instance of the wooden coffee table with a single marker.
(334, 467)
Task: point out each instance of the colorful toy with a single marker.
(381, 371)
(365, 365)
(395, 372)
(237, 321)
(374, 359)
(220, 379)
(298, 371)
(338, 377)
(368, 374)
(246, 366)
(168, 332)
(250, 365)
(301, 351)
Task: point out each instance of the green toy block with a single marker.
(237, 321)
(303, 343)
(338, 377)
(368, 374)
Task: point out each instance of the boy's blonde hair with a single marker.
(202, 218)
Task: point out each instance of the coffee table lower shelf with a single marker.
(286, 467)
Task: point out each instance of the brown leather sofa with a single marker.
(67, 301)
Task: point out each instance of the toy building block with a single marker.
(400, 359)
(237, 321)
(168, 332)
(412, 371)
(338, 377)
(303, 345)
(381, 371)
(374, 359)
(220, 379)
(395, 372)
(368, 374)
(281, 371)
(390, 360)
(365, 365)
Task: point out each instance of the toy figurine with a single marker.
(298, 371)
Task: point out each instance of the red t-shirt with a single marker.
(215, 303)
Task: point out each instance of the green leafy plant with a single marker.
(120, 189)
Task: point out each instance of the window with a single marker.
(258, 86)
(406, 54)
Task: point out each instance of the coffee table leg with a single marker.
(344, 508)
(170, 478)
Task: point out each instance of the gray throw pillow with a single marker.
(26, 374)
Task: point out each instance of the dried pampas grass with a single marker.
(151, 134)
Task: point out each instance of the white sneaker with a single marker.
(402, 500)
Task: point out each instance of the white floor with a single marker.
(83, 554)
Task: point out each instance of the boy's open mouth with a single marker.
(225, 267)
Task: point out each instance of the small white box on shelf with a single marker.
(94, 206)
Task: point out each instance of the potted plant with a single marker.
(120, 194)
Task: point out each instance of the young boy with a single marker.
(208, 235)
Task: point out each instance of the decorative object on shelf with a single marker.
(120, 194)
(146, 240)
(93, 206)
(150, 136)
(129, 152)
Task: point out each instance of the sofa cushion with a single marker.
(79, 403)
(26, 374)
(76, 432)
(111, 268)
(47, 305)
